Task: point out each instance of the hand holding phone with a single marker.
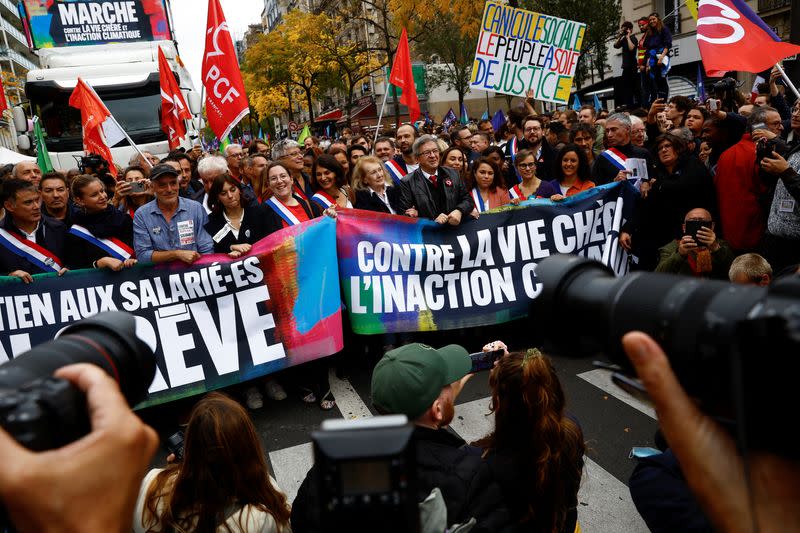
(485, 360)
(136, 187)
(693, 226)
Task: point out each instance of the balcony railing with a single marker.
(14, 32)
(20, 59)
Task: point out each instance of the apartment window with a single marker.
(671, 14)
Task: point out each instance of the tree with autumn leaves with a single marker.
(304, 56)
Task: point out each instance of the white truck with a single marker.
(126, 77)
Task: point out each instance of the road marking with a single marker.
(602, 380)
(348, 400)
(290, 466)
(605, 504)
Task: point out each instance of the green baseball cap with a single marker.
(408, 379)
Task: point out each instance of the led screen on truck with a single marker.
(53, 23)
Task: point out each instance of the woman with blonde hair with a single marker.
(221, 485)
(535, 451)
(373, 187)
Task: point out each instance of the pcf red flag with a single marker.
(226, 101)
(403, 77)
(93, 114)
(173, 107)
(732, 37)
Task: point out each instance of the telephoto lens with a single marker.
(43, 412)
(733, 347)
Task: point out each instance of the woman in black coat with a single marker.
(101, 235)
(374, 188)
(233, 227)
(679, 184)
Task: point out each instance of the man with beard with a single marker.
(533, 140)
(405, 162)
(422, 383)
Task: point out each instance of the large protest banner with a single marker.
(212, 324)
(81, 22)
(400, 274)
(520, 50)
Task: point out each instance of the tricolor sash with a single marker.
(41, 257)
(478, 200)
(114, 247)
(615, 157)
(513, 148)
(322, 198)
(395, 171)
(282, 211)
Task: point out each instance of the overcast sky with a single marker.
(189, 18)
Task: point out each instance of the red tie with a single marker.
(433, 179)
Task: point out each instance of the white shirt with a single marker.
(205, 203)
(383, 197)
(30, 236)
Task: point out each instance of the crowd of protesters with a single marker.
(720, 200)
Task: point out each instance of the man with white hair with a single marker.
(610, 164)
(638, 133)
(233, 155)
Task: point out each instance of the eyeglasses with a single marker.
(375, 172)
(280, 177)
(796, 110)
(665, 147)
(428, 153)
(534, 128)
(293, 154)
(526, 165)
(238, 156)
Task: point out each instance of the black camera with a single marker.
(764, 148)
(367, 472)
(42, 412)
(175, 444)
(724, 85)
(92, 164)
(733, 347)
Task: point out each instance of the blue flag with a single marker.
(485, 115)
(464, 116)
(498, 120)
(701, 87)
(597, 105)
(576, 103)
(449, 119)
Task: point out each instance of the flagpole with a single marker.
(787, 80)
(380, 115)
(114, 120)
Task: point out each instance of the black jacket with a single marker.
(443, 460)
(544, 163)
(415, 192)
(111, 223)
(604, 172)
(256, 224)
(51, 235)
(368, 200)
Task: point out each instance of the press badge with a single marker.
(786, 206)
(186, 232)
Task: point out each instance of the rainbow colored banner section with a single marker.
(214, 324)
(400, 274)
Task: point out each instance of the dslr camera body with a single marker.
(733, 347)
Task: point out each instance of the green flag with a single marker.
(225, 142)
(303, 134)
(42, 157)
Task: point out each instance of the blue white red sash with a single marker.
(395, 171)
(114, 247)
(478, 200)
(282, 211)
(42, 258)
(515, 192)
(615, 157)
(513, 148)
(324, 199)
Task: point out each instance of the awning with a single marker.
(364, 112)
(336, 114)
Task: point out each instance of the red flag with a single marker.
(403, 77)
(173, 107)
(226, 101)
(732, 37)
(93, 114)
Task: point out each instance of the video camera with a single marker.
(725, 91)
(92, 164)
(42, 412)
(367, 472)
(733, 347)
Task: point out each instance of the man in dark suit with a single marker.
(30, 243)
(432, 191)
